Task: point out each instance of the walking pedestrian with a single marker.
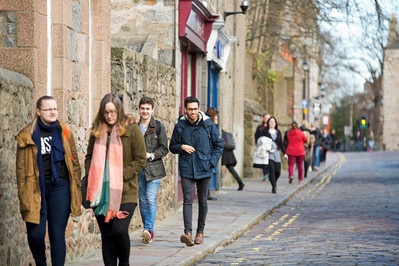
(326, 143)
(371, 141)
(48, 180)
(358, 141)
(198, 142)
(259, 128)
(308, 147)
(317, 147)
(296, 140)
(211, 112)
(228, 158)
(156, 142)
(271, 131)
(116, 154)
(335, 141)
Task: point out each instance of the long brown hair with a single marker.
(212, 113)
(98, 125)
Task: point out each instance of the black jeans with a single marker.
(274, 172)
(188, 186)
(115, 238)
(234, 173)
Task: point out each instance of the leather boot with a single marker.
(199, 238)
(187, 239)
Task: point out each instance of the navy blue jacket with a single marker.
(204, 136)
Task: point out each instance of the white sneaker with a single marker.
(146, 235)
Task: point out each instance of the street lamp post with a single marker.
(244, 6)
(293, 84)
(305, 67)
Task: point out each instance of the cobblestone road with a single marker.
(349, 216)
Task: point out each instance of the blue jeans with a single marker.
(188, 186)
(58, 201)
(316, 156)
(148, 195)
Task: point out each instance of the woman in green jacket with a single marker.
(115, 156)
(48, 180)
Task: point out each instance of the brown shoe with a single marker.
(199, 238)
(187, 239)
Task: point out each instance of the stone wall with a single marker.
(145, 27)
(134, 75)
(15, 112)
(391, 98)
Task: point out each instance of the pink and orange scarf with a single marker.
(96, 173)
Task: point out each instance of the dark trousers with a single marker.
(58, 201)
(274, 172)
(306, 167)
(265, 170)
(188, 187)
(234, 173)
(115, 238)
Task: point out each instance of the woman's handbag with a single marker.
(228, 141)
(83, 187)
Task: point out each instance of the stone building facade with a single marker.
(390, 88)
(64, 50)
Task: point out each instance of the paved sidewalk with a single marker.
(234, 213)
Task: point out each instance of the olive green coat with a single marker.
(134, 160)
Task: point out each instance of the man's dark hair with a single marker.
(146, 100)
(190, 99)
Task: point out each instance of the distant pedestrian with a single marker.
(296, 140)
(371, 141)
(335, 141)
(309, 148)
(271, 131)
(211, 112)
(326, 143)
(156, 142)
(259, 128)
(116, 153)
(228, 157)
(262, 126)
(198, 142)
(48, 180)
(317, 147)
(358, 141)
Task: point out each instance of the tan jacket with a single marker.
(28, 173)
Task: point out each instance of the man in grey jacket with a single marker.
(198, 142)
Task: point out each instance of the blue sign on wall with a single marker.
(304, 103)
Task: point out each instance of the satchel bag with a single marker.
(228, 141)
(83, 187)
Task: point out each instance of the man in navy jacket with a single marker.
(198, 142)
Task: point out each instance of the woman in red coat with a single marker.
(295, 150)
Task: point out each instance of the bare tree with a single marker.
(359, 49)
